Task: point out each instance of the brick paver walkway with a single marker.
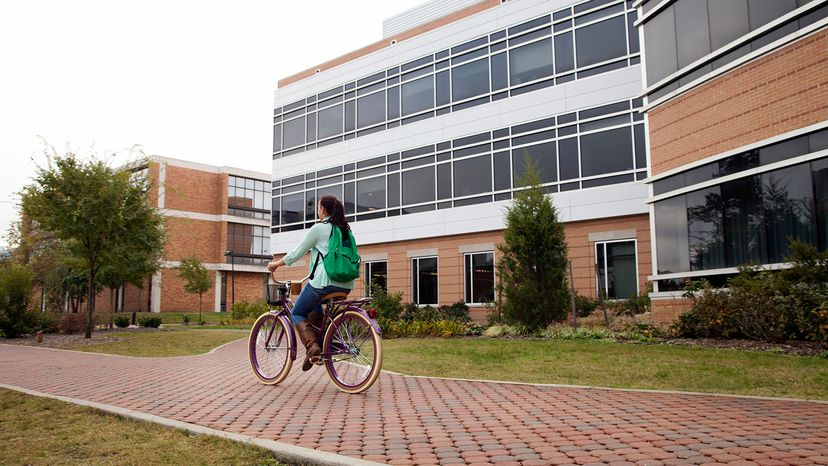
(413, 420)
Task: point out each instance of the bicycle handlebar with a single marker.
(287, 282)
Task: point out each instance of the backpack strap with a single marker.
(319, 253)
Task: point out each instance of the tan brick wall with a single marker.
(386, 42)
(249, 287)
(186, 236)
(174, 299)
(450, 259)
(195, 191)
(667, 311)
(777, 93)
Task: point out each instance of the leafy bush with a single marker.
(642, 331)
(243, 310)
(764, 305)
(388, 305)
(15, 293)
(185, 318)
(149, 322)
(121, 321)
(72, 323)
(586, 305)
(457, 312)
(496, 331)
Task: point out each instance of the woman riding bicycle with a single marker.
(308, 307)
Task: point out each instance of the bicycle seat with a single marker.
(335, 296)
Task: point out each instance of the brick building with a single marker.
(423, 135)
(736, 108)
(220, 215)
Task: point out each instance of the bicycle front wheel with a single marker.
(353, 352)
(269, 348)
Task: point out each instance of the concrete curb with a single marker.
(282, 451)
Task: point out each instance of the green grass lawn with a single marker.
(610, 364)
(164, 342)
(178, 317)
(41, 431)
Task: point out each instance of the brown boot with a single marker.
(308, 336)
(316, 320)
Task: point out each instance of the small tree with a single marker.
(15, 293)
(96, 212)
(196, 279)
(532, 267)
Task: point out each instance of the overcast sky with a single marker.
(183, 79)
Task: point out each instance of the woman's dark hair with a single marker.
(336, 210)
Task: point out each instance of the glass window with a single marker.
(640, 147)
(418, 186)
(542, 156)
(371, 109)
(424, 280)
(470, 79)
(692, 34)
(394, 190)
(349, 198)
(564, 53)
(335, 191)
(376, 275)
(310, 205)
(671, 235)
(500, 75)
(744, 221)
(660, 44)
(293, 208)
(350, 115)
(783, 150)
(248, 239)
(311, 127)
(479, 277)
(819, 175)
(277, 138)
(473, 176)
(705, 229)
(393, 102)
(418, 95)
(616, 269)
(443, 85)
(763, 12)
(788, 200)
(530, 62)
(601, 41)
(371, 194)
(728, 21)
(276, 209)
(330, 121)
(606, 152)
(444, 181)
(502, 171)
(568, 150)
(294, 132)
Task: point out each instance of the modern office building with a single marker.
(424, 136)
(737, 115)
(220, 215)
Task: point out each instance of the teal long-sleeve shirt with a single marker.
(316, 241)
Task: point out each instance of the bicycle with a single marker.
(351, 342)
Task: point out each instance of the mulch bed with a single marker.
(61, 341)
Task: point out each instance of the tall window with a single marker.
(250, 244)
(247, 197)
(616, 269)
(376, 274)
(479, 273)
(424, 280)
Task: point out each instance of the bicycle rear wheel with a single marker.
(269, 348)
(353, 352)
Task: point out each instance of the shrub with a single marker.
(421, 328)
(15, 293)
(457, 312)
(388, 305)
(243, 310)
(72, 323)
(121, 321)
(496, 331)
(186, 319)
(642, 331)
(149, 322)
(586, 305)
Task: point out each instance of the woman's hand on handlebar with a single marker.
(272, 266)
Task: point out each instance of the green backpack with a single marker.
(342, 263)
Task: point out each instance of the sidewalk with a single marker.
(415, 420)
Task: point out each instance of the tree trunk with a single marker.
(199, 309)
(90, 306)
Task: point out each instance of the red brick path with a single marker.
(413, 420)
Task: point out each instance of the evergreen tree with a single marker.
(532, 266)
